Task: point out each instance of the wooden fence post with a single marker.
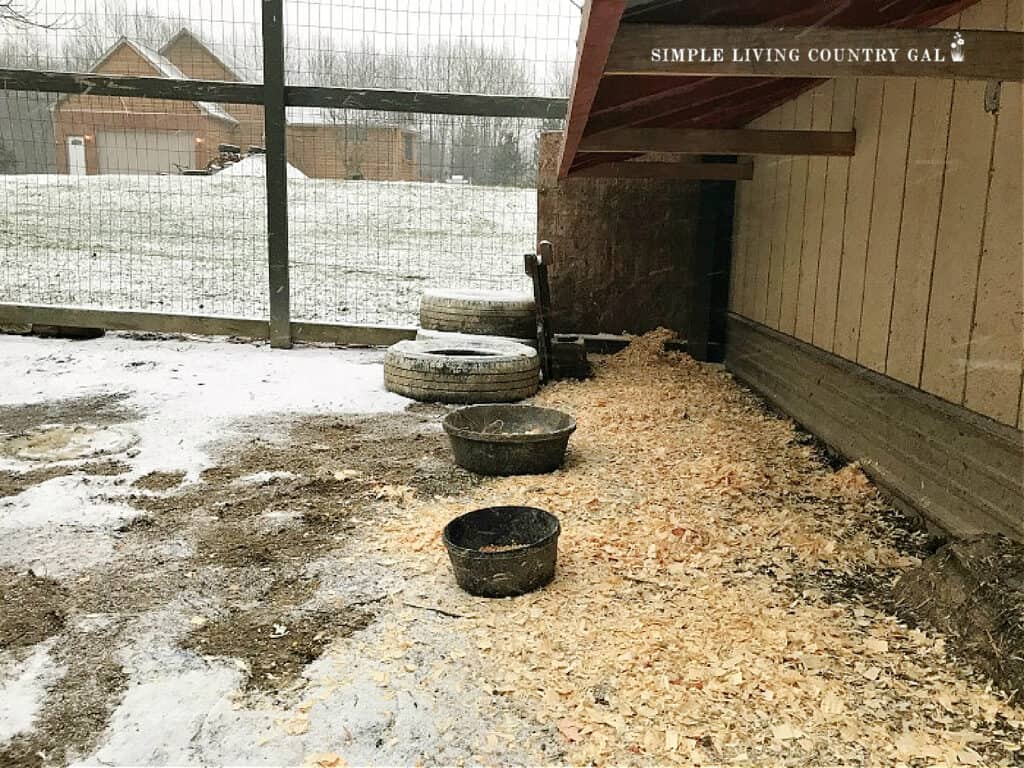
(277, 173)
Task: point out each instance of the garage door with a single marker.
(144, 151)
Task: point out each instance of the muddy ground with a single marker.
(243, 539)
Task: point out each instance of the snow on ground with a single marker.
(22, 687)
(361, 251)
(192, 388)
(60, 527)
(124, 655)
(255, 166)
(186, 395)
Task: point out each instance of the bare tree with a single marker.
(357, 66)
(490, 150)
(96, 31)
(480, 148)
(26, 16)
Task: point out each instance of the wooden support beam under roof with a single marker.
(658, 50)
(721, 141)
(743, 170)
(598, 26)
(691, 103)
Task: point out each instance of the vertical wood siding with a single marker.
(907, 257)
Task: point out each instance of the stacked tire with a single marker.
(487, 313)
(482, 372)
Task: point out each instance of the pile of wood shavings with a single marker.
(694, 618)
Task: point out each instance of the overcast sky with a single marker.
(540, 31)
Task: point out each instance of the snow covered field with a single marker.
(361, 251)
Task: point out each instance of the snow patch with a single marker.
(264, 477)
(59, 527)
(66, 500)
(191, 392)
(255, 166)
(157, 720)
(22, 689)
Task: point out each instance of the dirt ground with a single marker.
(724, 595)
(252, 525)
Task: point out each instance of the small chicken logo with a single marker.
(957, 46)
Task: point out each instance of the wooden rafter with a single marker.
(794, 13)
(721, 141)
(597, 31)
(691, 51)
(742, 170)
(691, 98)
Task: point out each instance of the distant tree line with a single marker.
(485, 150)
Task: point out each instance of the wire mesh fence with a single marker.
(153, 204)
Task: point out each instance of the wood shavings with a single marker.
(700, 612)
(325, 760)
(295, 726)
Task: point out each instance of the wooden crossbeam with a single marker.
(721, 141)
(483, 105)
(742, 170)
(670, 49)
(158, 322)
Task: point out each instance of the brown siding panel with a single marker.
(795, 224)
(739, 247)
(779, 220)
(916, 248)
(837, 179)
(810, 249)
(961, 223)
(766, 175)
(997, 337)
(858, 217)
(886, 215)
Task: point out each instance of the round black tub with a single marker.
(503, 551)
(509, 439)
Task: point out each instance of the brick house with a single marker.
(111, 134)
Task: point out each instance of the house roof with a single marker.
(165, 68)
(168, 69)
(221, 58)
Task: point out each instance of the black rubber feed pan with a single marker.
(503, 551)
(509, 439)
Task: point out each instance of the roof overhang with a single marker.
(628, 101)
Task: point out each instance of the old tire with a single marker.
(489, 313)
(483, 372)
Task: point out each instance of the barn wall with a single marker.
(905, 259)
(623, 248)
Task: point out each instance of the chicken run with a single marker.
(724, 594)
